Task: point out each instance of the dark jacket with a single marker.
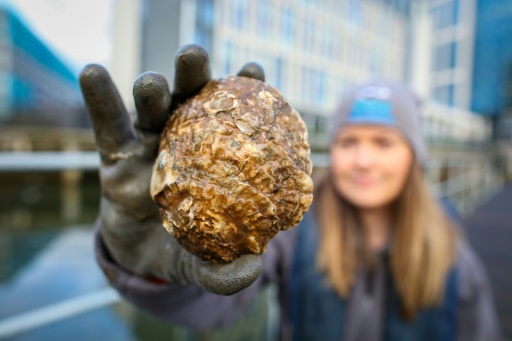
(373, 310)
(310, 309)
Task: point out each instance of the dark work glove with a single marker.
(129, 221)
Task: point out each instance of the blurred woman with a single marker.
(379, 250)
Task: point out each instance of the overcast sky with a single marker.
(78, 31)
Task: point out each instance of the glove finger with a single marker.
(228, 279)
(192, 72)
(252, 70)
(110, 120)
(152, 100)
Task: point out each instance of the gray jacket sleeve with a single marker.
(476, 318)
(191, 306)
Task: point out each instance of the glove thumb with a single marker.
(228, 279)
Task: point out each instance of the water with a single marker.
(46, 257)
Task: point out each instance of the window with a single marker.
(446, 14)
(383, 23)
(305, 83)
(264, 18)
(309, 35)
(205, 12)
(228, 50)
(352, 58)
(332, 44)
(324, 42)
(314, 85)
(202, 38)
(445, 57)
(320, 87)
(375, 62)
(287, 26)
(205, 18)
(354, 12)
(280, 75)
(239, 14)
(445, 94)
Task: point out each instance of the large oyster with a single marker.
(233, 169)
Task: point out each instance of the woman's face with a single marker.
(370, 164)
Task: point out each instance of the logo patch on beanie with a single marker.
(374, 91)
(371, 110)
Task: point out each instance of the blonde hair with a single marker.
(423, 243)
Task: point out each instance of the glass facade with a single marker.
(492, 71)
(309, 47)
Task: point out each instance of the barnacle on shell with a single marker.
(233, 169)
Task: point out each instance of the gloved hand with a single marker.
(129, 221)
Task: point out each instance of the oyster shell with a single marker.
(233, 169)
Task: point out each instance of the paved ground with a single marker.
(489, 229)
(65, 269)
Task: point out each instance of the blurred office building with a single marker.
(311, 50)
(440, 69)
(442, 35)
(36, 87)
(468, 46)
(461, 58)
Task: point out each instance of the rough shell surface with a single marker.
(233, 169)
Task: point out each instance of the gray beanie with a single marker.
(382, 102)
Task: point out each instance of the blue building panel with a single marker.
(25, 40)
(39, 85)
(493, 57)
